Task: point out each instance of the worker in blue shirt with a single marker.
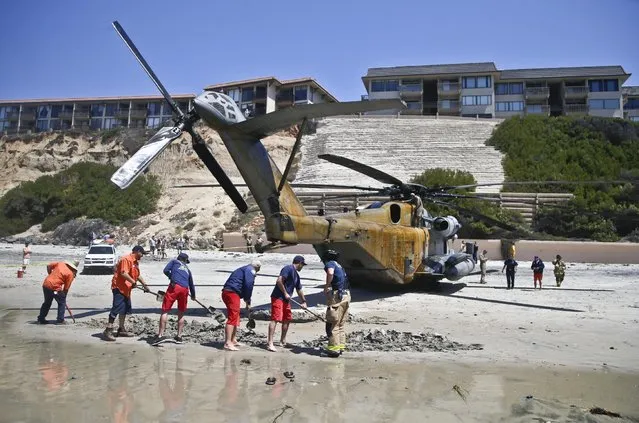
(338, 299)
(238, 285)
(180, 283)
(287, 281)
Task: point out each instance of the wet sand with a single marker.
(553, 345)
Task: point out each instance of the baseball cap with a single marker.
(138, 249)
(299, 259)
(183, 257)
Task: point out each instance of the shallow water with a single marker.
(54, 381)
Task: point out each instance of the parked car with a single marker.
(100, 258)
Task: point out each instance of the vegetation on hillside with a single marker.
(472, 225)
(84, 189)
(576, 149)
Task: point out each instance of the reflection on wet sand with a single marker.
(69, 382)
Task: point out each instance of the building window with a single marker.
(301, 93)
(234, 93)
(634, 118)
(110, 109)
(97, 110)
(602, 85)
(509, 106)
(413, 105)
(247, 94)
(260, 92)
(153, 122)
(381, 85)
(477, 100)
(501, 89)
(633, 103)
(516, 87)
(96, 123)
(43, 112)
(612, 103)
(476, 82)
(153, 109)
(42, 125)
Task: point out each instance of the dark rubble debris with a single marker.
(195, 331)
(395, 341)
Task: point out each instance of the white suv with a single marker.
(100, 257)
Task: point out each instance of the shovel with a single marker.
(251, 322)
(210, 309)
(309, 311)
(70, 314)
(159, 296)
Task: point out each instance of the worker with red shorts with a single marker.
(287, 281)
(181, 283)
(238, 286)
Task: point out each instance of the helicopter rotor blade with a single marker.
(203, 152)
(362, 168)
(452, 187)
(294, 185)
(138, 162)
(147, 68)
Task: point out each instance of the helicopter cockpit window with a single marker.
(232, 115)
(395, 213)
(219, 108)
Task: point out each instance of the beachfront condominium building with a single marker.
(265, 95)
(482, 90)
(631, 103)
(96, 113)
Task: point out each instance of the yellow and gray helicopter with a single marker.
(395, 242)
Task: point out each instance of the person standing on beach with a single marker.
(560, 270)
(483, 259)
(56, 286)
(287, 281)
(26, 257)
(238, 286)
(180, 284)
(510, 265)
(338, 299)
(125, 277)
(538, 270)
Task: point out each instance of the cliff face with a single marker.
(197, 213)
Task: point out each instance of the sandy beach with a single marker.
(568, 348)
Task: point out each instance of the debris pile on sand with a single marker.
(392, 340)
(194, 331)
(299, 316)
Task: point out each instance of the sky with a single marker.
(68, 48)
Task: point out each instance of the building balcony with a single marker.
(13, 115)
(576, 92)
(576, 109)
(448, 90)
(410, 91)
(122, 114)
(65, 115)
(448, 107)
(537, 109)
(138, 113)
(537, 93)
(27, 116)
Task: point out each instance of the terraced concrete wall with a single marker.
(402, 147)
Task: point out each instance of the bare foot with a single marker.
(238, 344)
(271, 348)
(230, 347)
(284, 344)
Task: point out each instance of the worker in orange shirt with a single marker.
(56, 287)
(125, 277)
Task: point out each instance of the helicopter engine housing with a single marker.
(445, 227)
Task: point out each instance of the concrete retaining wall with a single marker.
(571, 251)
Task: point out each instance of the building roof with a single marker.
(243, 82)
(303, 80)
(87, 99)
(431, 69)
(630, 90)
(572, 72)
(312, 81)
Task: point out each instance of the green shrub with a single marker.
(473, 225)
(84, 189)
(575, 149)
